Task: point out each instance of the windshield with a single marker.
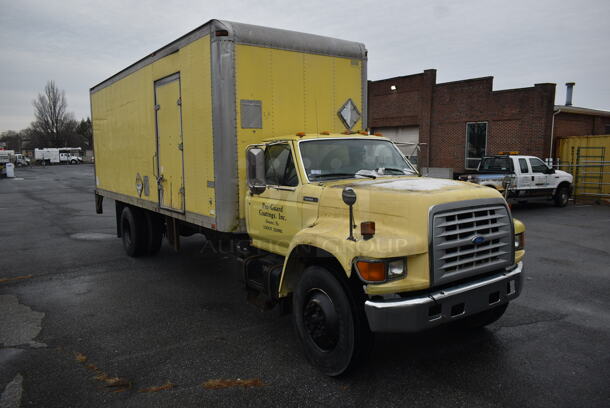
(348, 158)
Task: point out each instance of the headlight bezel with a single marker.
(388, 263)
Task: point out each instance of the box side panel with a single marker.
(298, 92)
(125, 135)
(197, 128)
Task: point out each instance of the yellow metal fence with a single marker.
(587, 158)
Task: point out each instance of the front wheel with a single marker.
(562, 195)
(329, 322)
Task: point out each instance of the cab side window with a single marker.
(523, 166)
(538, 166)
(279, 166)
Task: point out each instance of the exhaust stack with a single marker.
(569, 89)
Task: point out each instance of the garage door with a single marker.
(406, 137)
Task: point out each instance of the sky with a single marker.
(80, 43)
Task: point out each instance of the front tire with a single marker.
(329, 322)
(562, 195)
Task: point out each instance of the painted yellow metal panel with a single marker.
(299, 92)
(169, 139)
(124, 128)
(568, 151)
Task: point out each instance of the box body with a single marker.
(170, 131)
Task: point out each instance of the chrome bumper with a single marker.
(413, 314)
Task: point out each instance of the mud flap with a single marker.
(99, 200)
(173, 233)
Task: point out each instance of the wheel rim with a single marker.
(321, 320)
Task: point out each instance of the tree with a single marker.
(85, 131)
(53, 124)
(11, 140)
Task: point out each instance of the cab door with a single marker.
(168, 115)
(524, 176)
(274, 216)
(539, 173)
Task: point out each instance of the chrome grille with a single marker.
(456, 252)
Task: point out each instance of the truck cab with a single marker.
(523, 178)
(418, 252)
(69, 158)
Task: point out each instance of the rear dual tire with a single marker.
(141, 231)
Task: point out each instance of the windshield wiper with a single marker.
(341, 175)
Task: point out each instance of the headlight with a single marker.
(381, 270)
(519, 241)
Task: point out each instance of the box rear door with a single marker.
(170, 174)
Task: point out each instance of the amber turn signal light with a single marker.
(371, 271)
(367, 229)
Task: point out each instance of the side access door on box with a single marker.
(170, 159)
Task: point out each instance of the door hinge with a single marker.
(179, 101)
(157, 107)
(180, 146)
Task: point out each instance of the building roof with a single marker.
(581, 111)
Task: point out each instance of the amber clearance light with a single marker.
(367, 229)
(371, 271)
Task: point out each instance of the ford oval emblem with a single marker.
(478, 240)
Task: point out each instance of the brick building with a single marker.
(573, 121)
(455, 123)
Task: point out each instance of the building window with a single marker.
(476, 143)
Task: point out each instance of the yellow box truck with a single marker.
(257, 136)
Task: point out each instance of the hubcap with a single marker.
(321, 320)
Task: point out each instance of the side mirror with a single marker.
(550, 171)
(255, 162)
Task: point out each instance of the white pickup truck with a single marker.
(523, 178)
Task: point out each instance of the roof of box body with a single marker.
(251, 35)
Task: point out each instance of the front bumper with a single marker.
(420, 312)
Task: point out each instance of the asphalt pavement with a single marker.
(82, 324)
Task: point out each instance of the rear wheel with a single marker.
(562, 195)
(329, 322)
(133, 231)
